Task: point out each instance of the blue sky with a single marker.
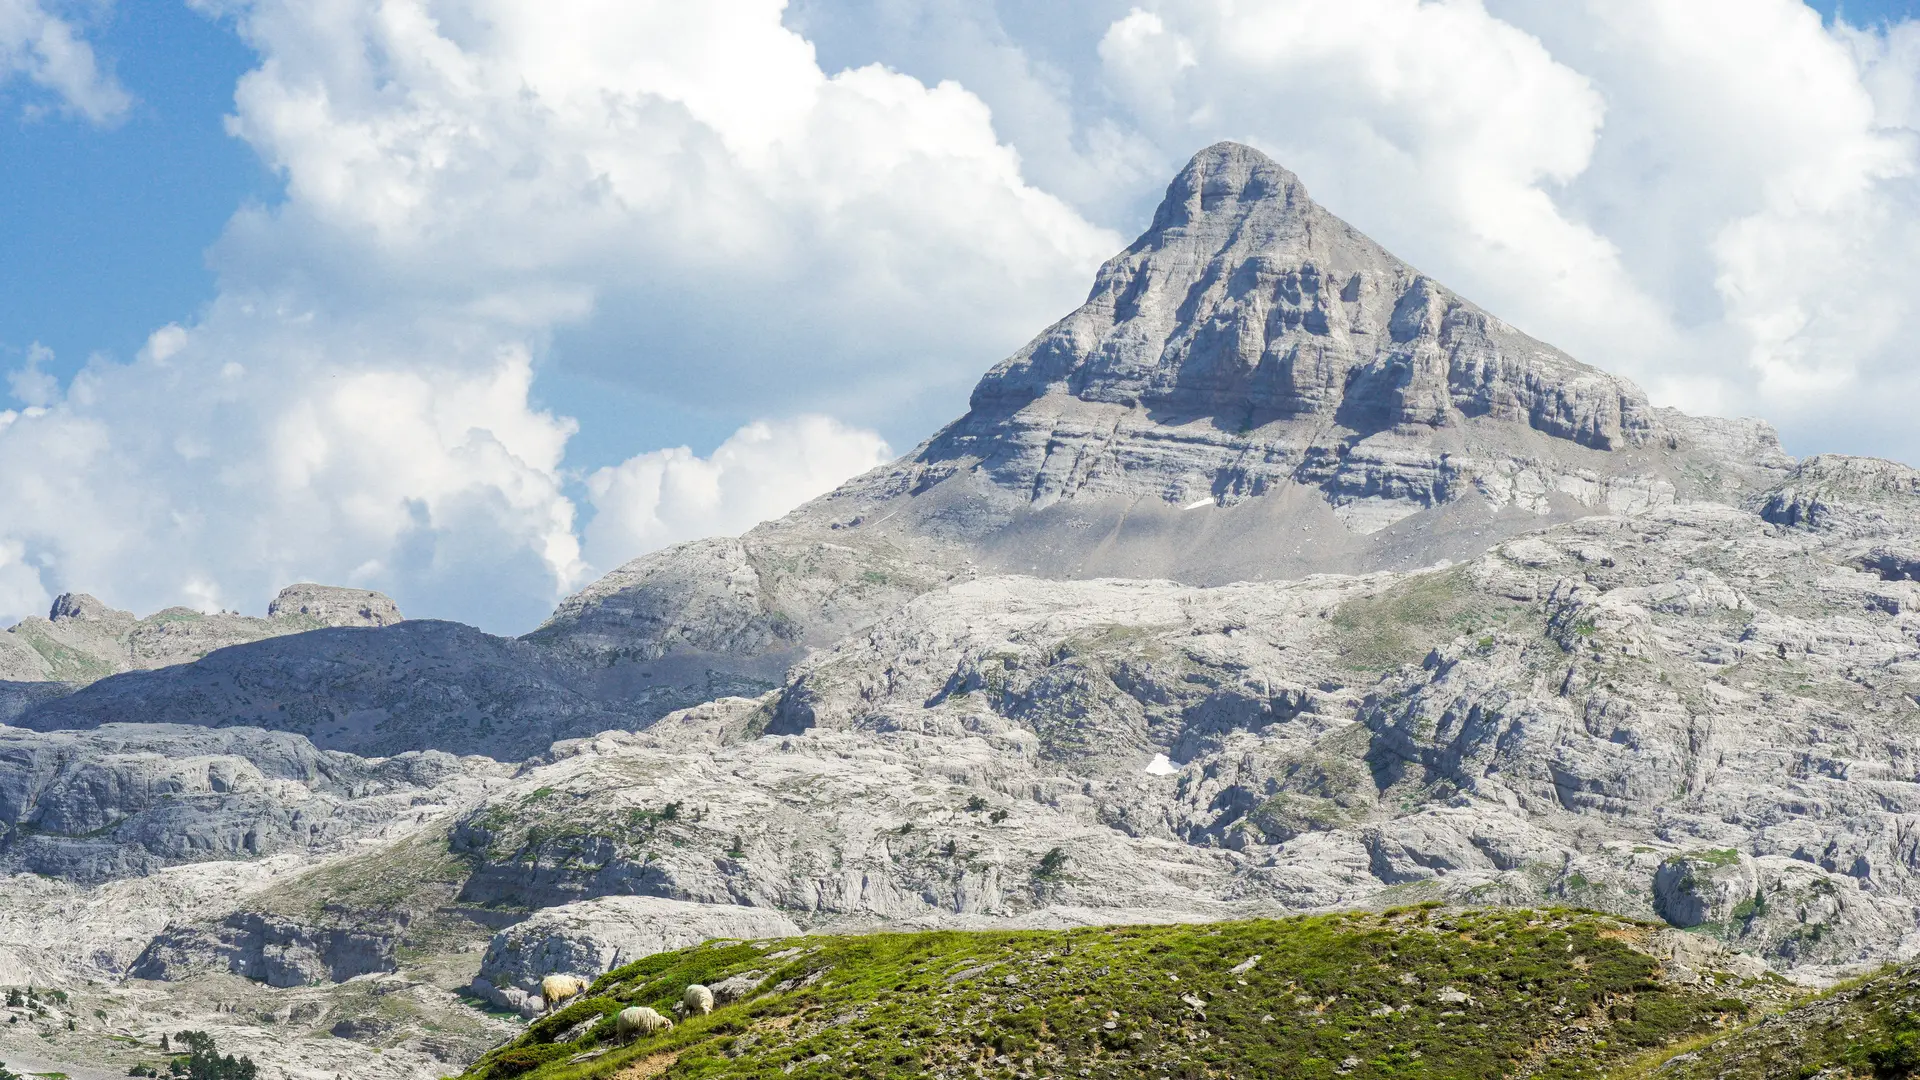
(104, 230)
(1868, 12)
(473, 309)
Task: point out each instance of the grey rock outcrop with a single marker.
(595, 936)
(275, 951)
(123, 799)
(1701, 887)
(17, 697)
(738, 609)
(331, 605)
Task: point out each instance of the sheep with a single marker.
(558, 988)
(698, 1000)
(639, 1020)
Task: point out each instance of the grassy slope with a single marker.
(1866, 1028)
(1360, 995)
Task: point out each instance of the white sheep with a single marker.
(558, 988)
(639, 1020)
(698, 1000)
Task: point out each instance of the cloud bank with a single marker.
(652, 500)
(465, 181)
(835, 215)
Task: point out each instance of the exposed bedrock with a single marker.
(1253, 390)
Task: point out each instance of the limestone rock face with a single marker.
(723, 617)
(1253, 390)
(269, 949)
(1695, 889)
(1690, 714)
(593, 937)
(1246, 303)
(80, 607)
(124, 799)
(1851, 495)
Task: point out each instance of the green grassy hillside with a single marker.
(1418, 992)
(1867, 1028)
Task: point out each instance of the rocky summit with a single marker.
(1253, 390)
(1276, 578)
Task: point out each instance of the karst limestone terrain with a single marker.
(1275, 578)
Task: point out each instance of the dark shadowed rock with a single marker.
(418, 685)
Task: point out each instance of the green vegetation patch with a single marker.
(1401, 624)
(388, 879)
(1417, 992)
(1713, 858)
(1287, 815)
(64, 663)
(1866, 1028)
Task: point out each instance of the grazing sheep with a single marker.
(639, 1020)
(698, 1000)
(558, 988)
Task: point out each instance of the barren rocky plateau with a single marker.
(1275, 578)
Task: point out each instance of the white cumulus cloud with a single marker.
(50, 51)
(763, 470)
(232, 459)
(681, 189)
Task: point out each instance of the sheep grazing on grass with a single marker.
(698, 1000)
(639, 1020)
(558, 988)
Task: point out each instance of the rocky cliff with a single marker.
(1253, 390)
(123, 799)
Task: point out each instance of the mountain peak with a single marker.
(1226, 180)
(1250, 344)
(1252, 390)
(84, 607)
(1247, 305)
